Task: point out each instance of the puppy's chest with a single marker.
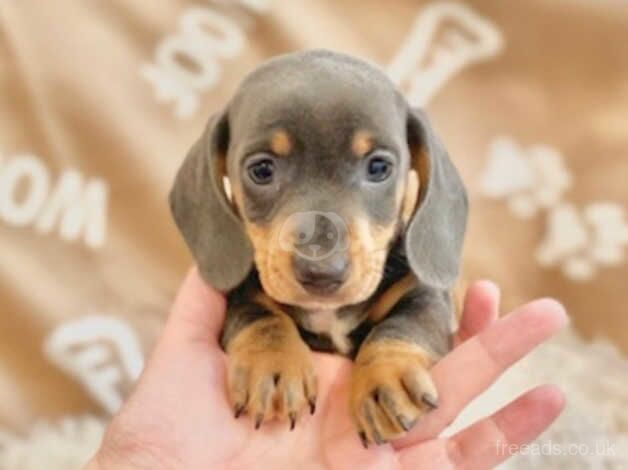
(333, 330)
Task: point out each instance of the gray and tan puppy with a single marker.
(330, 212)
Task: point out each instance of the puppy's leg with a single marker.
(270, 371)
(391, 386)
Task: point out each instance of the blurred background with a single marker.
(100, 100)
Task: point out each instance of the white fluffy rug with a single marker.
(65, 445)
(592, 433)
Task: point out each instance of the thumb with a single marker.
(197, 314)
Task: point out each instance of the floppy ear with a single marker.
(434, 236)
(212, 231)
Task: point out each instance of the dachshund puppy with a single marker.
(329, 210)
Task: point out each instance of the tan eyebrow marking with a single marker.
(362, 143)
(280, 143)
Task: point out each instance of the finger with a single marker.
(481, 309)
(492, 440)
(498, 437)
(473, 366)
(197, 313)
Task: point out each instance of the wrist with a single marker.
(97, 463)
(105, 459)
(92, 465)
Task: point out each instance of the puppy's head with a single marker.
(312, 171)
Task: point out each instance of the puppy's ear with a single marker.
(434, 236)
(212, 231)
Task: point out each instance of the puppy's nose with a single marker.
(322, 276)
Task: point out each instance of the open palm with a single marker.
(179, 416)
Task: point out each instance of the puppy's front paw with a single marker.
(270, 373)
(391, 389)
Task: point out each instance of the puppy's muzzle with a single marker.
(324, 276)
(320, 259)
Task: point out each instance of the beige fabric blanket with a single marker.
(99, 101)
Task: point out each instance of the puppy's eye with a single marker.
(262, 171)
(378, 169)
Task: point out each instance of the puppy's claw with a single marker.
(258, 420)
(293, 419)
(239, 408)
(312, 402)
(378, 438)
(363, 440)
(405, 423)
(430, 400)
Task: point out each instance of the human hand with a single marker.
(179, 417)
